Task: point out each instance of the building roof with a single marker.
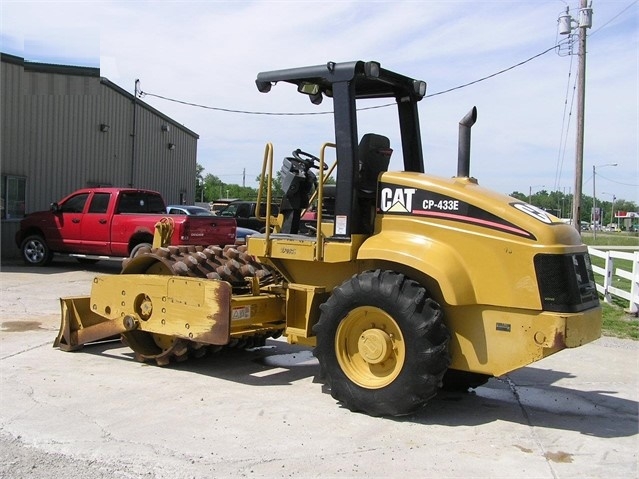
(89, 72)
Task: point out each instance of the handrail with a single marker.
(328, 173)
(268, 160)
(267, 163)
(320, 199)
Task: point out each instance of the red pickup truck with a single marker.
(107, 223)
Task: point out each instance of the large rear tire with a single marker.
(382, 344)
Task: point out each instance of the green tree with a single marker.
(215, 187)
(623, 205)
(560, 204)
(200, 194)
(277, 191)
(554, 202)
(276, 187)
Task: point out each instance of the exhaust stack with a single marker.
(463, 147)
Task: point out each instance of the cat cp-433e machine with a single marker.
(406, 283)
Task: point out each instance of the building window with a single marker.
(12, 197)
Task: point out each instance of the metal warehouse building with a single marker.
(65, 127)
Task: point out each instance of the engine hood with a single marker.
(462, 203)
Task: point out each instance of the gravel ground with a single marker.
(19, 460)
(610, 342)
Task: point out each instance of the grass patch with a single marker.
(610, 239)
(616, 322)
(619, 324)
(618, 282)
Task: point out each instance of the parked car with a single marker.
(242, 233)
(188, 210)
(220, 204)
(94, 224)
(245, 214)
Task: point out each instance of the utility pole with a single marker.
(565, 27)
(530, 190)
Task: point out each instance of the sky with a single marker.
(209, 53)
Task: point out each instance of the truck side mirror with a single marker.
(55, 208)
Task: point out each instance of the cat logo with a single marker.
(533, 211)
(396, 200)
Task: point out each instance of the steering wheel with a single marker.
(310, 161)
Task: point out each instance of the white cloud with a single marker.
(210, 53)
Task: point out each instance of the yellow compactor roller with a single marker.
(405, 283)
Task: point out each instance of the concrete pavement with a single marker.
(97, 413)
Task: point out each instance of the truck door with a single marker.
(66, 232)
(96, 225)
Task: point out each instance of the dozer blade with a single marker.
(173, 306)
(79, 325)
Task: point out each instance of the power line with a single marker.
(250, 112)
(494, 74)
(230, 110)
(599, 175)
(613, 18)
(617, 182)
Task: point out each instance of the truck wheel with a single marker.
(140, 248)
(35, 251)
(382, 344)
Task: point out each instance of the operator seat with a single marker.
(374, 154)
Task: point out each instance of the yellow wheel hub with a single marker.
(375, 346)
(370, 347)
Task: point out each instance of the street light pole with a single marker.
(612, 210)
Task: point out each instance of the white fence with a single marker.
(610, 273)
